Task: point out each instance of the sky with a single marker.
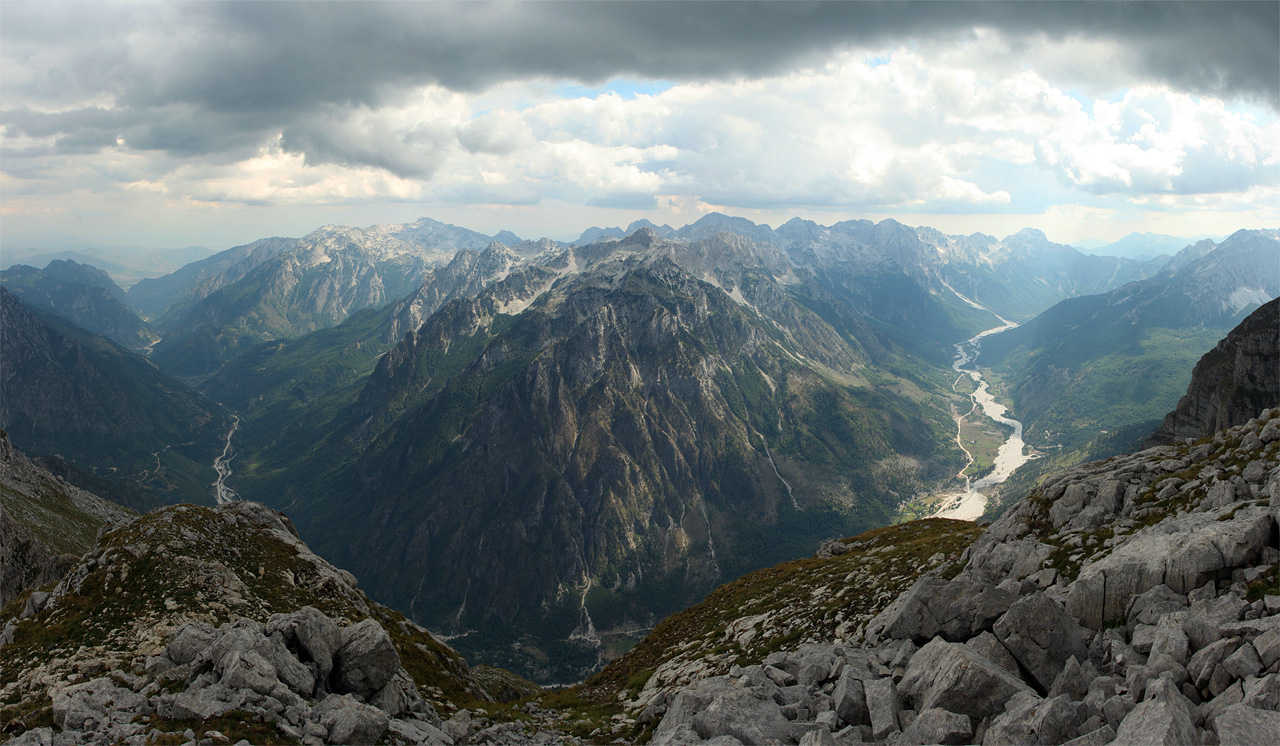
(176, 124)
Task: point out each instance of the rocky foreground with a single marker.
(211, 625)
(1131, 601)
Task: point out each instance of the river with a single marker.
(222, 465)
(968, 504)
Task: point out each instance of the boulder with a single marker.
(202, 703)
(350, 721)
(1241, 725)
(1268, 646)
(189, 641)
(743, 714)
(849, 700)
(1153, 605)
(247, 669)
(310, 634)
(1038, 632)
(1243, 663)
(937, 726)
(1100, 737)
(1205, 620)
(93, 704)
(990, 648)
(953, 677)
(956, 610)
(1162, 719)
(367, 659)
(883, 705)
(1263, 693)
(399, 697)
(1170, 640)
(1074, 679)
(1206, 660)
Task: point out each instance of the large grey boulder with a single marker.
(189, 641)
(1205, 620)
(367, 659)
(94, 704)
(399, 697)
(1206, 660)
(883, 705)
(1041, 636)
(1182, 552)
(953, 677)
(848, 699)
(1241, 725)
(247, 669)
(350, 721)
(1153, 605)
(956, 610)
(989, 647)
(744, 714)
(1171, 640)
(312, 635)
(937, 726)
(1212, 551)
(1162, 719)
(1074, 679)
(202, 703)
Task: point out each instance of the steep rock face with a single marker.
(102, 408)
(195, 613)
(82, 294)
(45, 523)
(1232, 382)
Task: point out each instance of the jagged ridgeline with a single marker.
(658, 418)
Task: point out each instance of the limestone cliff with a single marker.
(1232, 383)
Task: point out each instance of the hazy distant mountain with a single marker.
(1101, 362)
(662, 416)
(594, 234)
(507, 238)
(1142, 246)
(165, 299)
(126, 264)
(84, 295)
(103, 409)
(312, 284)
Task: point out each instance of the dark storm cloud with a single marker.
(196, 78)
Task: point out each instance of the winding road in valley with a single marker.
(968, 504)
(222, 464)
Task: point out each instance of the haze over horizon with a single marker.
(170, 125)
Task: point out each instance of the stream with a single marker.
(968, 504)
(222, 464)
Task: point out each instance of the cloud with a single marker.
(909, 107)
(212, 76)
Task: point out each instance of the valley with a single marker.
(634, 420)
(1010, 453)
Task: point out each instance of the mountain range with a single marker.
(82, 294)
(1132, 600)
(572, 441)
